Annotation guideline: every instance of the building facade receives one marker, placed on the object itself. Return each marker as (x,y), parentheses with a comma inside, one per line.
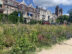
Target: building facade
(46,15)
(10,6)
(28,11)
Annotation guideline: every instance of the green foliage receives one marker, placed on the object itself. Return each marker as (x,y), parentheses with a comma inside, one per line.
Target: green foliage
(35,22)
(2,17)
(23,39)
(13,17)
(63,18)
(70,17)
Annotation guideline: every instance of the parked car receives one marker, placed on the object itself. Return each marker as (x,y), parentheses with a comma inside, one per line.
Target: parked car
(46,22)
(53,23)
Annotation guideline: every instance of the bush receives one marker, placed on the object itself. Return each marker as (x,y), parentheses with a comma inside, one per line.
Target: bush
(13,17)
(35,22)
(27,38)
(2,17)
(61,19)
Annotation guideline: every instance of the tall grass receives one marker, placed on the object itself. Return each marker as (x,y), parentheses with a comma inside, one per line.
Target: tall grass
(27,38)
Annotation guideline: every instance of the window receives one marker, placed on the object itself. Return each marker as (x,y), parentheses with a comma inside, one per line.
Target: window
(0,6)
(23,6)
(43,16)
(48,18)
(29,14)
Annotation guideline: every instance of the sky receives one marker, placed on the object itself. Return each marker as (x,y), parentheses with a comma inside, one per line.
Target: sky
(51,4)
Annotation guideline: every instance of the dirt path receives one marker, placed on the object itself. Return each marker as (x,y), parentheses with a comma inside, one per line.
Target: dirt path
(63,48)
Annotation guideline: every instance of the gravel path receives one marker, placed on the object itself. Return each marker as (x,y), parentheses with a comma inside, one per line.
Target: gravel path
(63,48)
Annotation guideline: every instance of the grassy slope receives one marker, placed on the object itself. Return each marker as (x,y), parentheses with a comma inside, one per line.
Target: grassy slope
(26,38)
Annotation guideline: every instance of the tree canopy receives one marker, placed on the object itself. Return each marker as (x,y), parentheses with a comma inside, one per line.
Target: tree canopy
(61,19)
(70,15)
(13,17)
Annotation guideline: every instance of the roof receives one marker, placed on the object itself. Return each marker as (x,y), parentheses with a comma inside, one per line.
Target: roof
(23,2)
(31,5)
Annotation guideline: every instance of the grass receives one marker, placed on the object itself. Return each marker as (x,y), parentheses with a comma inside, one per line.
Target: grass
(23,39)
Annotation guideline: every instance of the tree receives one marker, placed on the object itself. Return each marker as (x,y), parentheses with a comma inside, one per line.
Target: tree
(61,19)
(2,17)
(13,17)
(70,15)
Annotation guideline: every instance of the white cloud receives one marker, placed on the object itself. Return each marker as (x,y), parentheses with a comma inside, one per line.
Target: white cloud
(66,14)
(49,3)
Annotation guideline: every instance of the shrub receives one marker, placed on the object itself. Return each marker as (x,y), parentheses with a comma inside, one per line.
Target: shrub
(27,38)
(61,19)
(2,17)
(13,17)
(35,22)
